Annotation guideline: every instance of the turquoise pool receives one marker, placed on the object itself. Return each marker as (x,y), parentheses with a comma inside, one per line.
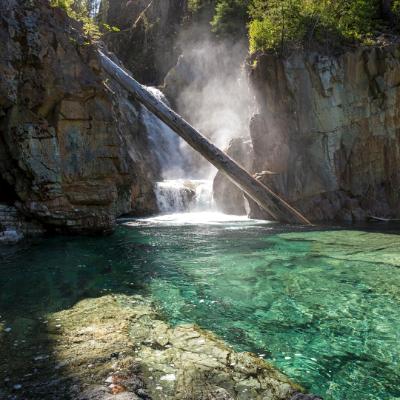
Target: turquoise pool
(323,306)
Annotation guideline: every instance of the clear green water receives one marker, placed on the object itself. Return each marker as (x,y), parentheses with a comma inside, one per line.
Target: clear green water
(322,306)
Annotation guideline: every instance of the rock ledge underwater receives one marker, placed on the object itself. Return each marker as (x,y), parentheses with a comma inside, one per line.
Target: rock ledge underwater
(118,347)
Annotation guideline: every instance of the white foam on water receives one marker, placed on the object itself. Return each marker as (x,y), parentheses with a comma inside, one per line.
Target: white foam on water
(179,195)
(197,218)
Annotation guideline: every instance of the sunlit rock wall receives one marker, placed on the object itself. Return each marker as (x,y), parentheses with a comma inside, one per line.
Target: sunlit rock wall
(327,132)
(71,145)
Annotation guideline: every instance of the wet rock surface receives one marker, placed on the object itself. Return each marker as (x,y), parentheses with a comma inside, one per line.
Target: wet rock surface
(227,196)
(328,129)
(118,347)
(14,226)
(71,144)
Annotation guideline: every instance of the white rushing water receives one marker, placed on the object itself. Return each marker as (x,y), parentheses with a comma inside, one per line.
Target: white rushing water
(179,195)
(165,143)
(180,199)
(199,218)
(190,202)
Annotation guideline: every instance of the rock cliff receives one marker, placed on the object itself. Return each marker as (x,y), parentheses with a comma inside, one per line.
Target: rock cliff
(327,131)
(72,150)
(146,40)
(329,127)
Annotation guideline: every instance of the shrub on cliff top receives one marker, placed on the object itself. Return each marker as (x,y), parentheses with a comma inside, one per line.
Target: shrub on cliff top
(195,5)
(83,11)
(279,23)
(396,10)
(230,17)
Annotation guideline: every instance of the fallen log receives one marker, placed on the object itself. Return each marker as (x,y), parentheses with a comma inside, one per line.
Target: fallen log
(273,204)
(382,219)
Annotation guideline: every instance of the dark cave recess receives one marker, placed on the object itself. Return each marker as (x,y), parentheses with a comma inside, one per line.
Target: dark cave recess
(7,193)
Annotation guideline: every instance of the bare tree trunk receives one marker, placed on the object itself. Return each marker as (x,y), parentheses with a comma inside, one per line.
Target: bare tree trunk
(275,206)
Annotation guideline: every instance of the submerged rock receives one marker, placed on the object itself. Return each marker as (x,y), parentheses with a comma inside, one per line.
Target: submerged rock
(118,347)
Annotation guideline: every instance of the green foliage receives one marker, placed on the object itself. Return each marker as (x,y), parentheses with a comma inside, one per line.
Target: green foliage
(396,9)
(230,16)
(356,19)
(91,28)
(279,23)
(275,23)
(65,4)
(83,11)
(194,6)
(109,28)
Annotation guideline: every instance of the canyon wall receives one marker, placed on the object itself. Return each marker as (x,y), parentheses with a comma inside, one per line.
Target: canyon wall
(326,135)
(329,129)
(148,29)
(72,150)
(326,131)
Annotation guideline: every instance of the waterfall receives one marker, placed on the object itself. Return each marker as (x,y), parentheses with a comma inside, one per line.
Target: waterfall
(180,198)
(165,143)
(180,195)
(177,193)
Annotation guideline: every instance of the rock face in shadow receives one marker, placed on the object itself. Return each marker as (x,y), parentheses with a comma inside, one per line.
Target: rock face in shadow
(227,196)
(148,29)
(117,347)
(71,146)
(327,133)
(14,226)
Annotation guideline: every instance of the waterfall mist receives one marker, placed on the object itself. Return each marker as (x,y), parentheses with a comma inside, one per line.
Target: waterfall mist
(210,89)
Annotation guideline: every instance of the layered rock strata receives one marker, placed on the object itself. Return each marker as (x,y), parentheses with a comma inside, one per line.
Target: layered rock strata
(14,226)
(327,132)
(72,148)
(329,128)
